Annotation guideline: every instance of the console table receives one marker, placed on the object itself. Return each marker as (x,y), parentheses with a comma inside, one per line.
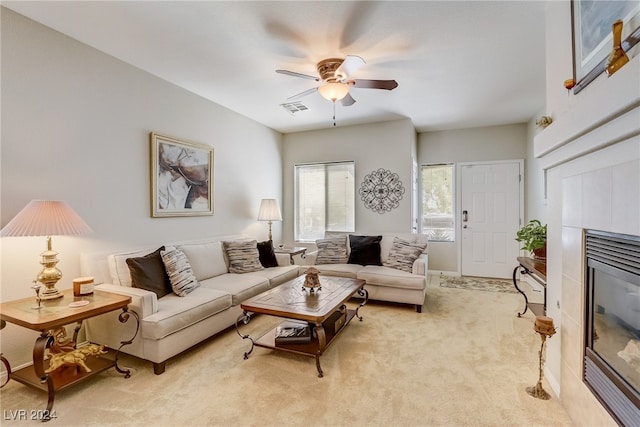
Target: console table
(49,318)
(537,270)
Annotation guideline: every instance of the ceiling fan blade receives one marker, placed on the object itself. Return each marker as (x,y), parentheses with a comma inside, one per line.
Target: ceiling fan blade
(374,84)
(294,74)
(350,65)
(348,100)
(305,93)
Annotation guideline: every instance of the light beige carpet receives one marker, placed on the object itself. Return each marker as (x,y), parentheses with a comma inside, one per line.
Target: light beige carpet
(465,361)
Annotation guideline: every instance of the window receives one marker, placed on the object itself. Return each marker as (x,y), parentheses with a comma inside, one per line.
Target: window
(324,199)
(437,202)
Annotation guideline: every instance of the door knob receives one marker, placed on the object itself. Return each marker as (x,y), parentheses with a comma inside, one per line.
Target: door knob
(465,216)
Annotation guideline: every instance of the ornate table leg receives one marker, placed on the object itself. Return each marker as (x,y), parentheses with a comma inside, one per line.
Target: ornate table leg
(363,293)
(44,341)
(123,318)
(515,283)
(4,361)
(245,317)
(322,344)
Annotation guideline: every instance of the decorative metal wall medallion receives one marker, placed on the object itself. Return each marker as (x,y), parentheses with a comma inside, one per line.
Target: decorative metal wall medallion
(381,191)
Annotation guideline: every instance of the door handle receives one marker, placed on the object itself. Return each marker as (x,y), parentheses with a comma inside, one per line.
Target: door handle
(465,216)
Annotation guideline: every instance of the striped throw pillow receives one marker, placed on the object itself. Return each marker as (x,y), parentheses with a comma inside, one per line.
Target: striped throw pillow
(332,250)
(243,256)
(179,271)
(403,254)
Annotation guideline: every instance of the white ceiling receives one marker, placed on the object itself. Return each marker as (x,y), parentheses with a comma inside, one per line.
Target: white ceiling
(458,64)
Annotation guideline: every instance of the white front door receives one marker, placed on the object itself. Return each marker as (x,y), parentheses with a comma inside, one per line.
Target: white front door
(490,217)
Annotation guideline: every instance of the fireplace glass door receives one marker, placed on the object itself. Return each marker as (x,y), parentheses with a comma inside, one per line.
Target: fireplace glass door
(612,353)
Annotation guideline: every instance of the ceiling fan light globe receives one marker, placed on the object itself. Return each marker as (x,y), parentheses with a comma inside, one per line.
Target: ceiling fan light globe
(334,91)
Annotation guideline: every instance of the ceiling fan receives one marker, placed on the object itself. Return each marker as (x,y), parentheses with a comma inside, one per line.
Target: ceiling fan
(334,74)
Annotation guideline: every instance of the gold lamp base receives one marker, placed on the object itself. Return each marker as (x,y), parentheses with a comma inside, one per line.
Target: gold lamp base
(49,275)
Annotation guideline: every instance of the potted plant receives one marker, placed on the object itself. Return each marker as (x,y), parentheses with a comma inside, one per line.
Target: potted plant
(534,238)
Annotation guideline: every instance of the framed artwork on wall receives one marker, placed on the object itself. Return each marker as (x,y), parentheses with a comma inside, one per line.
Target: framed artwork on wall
(181,177)
(592,21)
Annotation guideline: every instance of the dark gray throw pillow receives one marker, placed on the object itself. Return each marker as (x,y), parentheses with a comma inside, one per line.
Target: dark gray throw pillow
(365,250)
(266,254)
(148,272)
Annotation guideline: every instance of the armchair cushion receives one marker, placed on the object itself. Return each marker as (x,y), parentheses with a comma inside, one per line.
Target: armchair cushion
(365,250)
(148,272)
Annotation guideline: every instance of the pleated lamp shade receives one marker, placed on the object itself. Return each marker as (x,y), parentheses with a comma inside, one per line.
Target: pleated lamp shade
(269,210)
(46,218)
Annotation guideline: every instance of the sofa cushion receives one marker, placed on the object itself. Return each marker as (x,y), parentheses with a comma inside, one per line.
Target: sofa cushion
(176,313)
(332,250)
(342,270)
(365,250)
(239,286)
(181,276)
(148,272)
(391,277)
(266,254)
(403,254)
(278,275)
(206,259)
(243,256)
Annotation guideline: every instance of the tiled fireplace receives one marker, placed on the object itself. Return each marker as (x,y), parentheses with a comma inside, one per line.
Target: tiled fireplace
(591,157)
(612,322)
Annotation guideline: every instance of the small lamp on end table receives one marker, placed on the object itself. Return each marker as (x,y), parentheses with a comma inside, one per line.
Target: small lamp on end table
(47,218)
(269,211)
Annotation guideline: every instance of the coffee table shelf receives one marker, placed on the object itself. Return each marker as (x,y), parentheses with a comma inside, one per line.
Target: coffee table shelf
(268,340)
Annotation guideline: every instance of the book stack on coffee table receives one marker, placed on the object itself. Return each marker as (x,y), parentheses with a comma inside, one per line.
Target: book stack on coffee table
(293,332)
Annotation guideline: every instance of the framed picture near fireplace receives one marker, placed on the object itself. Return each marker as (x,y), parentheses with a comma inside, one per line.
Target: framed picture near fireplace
(592,23)
(181,177)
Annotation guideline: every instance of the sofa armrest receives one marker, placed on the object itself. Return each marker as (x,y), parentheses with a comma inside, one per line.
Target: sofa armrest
(421,265)
(143,302)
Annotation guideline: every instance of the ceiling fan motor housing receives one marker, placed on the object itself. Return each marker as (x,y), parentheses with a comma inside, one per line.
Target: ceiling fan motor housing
(327,68)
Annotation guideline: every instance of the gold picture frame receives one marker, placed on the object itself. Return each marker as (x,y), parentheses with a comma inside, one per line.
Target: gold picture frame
(181,177)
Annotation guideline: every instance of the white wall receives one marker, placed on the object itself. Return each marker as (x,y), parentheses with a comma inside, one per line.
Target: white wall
(386,145)
(75,126)
(507,142)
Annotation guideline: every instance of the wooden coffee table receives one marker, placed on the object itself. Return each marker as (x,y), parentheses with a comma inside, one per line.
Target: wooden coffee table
(292,300)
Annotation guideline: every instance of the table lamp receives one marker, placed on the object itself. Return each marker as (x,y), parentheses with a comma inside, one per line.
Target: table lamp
(47,218)
(269,211)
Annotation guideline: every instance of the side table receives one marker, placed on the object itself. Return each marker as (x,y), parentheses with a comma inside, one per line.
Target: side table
(293,251)
(50,319)
(537,270)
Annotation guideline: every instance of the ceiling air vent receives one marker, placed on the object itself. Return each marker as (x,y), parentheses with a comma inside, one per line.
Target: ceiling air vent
(294,107)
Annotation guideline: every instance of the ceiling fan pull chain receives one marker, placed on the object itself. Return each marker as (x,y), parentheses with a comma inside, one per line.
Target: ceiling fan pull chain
(334,113)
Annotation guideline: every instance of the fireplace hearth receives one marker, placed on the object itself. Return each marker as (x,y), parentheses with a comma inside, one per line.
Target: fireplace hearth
(612,344)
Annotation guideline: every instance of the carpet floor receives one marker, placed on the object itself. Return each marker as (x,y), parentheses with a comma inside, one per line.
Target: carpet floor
(465,361)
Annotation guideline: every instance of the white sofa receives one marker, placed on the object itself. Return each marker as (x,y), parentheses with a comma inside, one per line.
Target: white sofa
(172,324)
(383,283)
